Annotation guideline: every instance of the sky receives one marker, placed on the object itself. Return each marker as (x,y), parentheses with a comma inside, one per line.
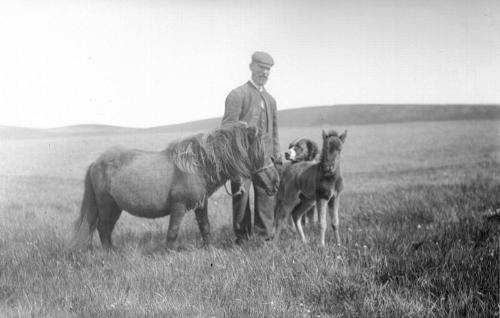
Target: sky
(152,63)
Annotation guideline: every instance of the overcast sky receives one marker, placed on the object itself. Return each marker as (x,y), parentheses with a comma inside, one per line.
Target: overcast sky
(150,63)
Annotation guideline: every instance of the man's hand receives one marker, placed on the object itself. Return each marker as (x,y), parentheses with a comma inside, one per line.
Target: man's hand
(240,191)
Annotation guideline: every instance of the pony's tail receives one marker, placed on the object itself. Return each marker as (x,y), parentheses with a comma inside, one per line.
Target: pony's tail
(86,223)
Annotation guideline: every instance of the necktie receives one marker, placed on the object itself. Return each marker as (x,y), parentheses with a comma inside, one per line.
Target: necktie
(261,90)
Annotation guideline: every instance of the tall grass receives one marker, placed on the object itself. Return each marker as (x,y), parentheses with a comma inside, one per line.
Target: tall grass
(416,240)
(413,252)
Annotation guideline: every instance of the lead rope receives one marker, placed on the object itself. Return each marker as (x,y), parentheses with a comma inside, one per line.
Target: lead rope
(230,194)
(241,191)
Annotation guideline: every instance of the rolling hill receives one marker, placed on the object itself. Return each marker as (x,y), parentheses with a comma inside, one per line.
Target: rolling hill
(337,115)
(358,115)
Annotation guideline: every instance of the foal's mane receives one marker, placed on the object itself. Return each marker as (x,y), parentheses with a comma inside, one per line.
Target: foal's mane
(232,151)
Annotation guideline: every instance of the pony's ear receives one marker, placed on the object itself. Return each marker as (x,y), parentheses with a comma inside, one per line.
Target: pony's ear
(323,133)
(343,136)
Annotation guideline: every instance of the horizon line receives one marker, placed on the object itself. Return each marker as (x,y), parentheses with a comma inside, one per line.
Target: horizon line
(279,110)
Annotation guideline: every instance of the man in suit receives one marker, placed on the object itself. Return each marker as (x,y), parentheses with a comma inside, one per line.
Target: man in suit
(252,104)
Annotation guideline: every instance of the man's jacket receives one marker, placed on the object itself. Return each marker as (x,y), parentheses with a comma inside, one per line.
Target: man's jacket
(244,103)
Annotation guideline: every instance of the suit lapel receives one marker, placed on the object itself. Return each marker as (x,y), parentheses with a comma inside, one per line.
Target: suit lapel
(267,105)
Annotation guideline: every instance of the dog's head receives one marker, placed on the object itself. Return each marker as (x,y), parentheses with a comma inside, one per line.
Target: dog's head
(301,149)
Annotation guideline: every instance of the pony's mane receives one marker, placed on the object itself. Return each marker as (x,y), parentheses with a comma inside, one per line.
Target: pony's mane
(232,151)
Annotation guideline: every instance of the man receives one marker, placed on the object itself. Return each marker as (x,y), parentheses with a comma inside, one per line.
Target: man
(252,104)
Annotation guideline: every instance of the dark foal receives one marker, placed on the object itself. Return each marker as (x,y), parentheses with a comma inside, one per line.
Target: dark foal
(306,184)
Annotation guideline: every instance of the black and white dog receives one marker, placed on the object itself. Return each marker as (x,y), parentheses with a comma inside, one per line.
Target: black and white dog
(302,149)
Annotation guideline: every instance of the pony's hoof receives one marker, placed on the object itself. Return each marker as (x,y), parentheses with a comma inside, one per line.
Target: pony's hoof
(171,247)
(240,241)
(206,245)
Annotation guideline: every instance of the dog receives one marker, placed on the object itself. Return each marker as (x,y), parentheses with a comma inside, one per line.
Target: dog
(306,184)
(302,149)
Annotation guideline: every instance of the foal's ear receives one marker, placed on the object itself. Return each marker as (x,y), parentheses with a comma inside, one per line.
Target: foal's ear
(343,136)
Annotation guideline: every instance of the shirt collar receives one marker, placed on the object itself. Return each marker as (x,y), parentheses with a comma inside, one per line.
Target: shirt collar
(259,88)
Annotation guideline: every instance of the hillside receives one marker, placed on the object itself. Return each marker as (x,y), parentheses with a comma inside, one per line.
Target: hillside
(9,132)
(95,129)
(382,114)
(340,115)
(359,115)
(19,132)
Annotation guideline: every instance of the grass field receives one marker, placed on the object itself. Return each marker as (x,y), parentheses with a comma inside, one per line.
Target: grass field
(417,242)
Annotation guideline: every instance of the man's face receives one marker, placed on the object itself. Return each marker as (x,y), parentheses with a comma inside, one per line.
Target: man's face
(260,73)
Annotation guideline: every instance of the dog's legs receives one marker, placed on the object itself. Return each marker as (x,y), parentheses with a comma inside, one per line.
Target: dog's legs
(281,216)
(297,214)
(321,206)
(333,209)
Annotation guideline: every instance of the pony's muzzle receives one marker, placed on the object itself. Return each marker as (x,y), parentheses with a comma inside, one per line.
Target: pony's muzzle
(275,188)
(273,191)
(329,170)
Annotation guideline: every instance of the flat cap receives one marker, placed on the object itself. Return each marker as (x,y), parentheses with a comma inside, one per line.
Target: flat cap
(262,58)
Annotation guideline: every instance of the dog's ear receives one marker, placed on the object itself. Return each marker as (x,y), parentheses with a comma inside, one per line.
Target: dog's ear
(343,136)
(292,143)
(312,149)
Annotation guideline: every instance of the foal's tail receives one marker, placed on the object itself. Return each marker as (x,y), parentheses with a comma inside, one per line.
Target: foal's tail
(86,223)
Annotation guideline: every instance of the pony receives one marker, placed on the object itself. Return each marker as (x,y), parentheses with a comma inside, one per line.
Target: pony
(306,184)
(170,182)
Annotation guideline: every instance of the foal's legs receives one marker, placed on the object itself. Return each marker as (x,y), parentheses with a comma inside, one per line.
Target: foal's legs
(108,212)
(309,216)
(298,212)
(321,206)
(176,214)
(333,209)
(203,223)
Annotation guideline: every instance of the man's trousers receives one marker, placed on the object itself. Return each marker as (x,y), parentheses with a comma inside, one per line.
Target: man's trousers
(263,215)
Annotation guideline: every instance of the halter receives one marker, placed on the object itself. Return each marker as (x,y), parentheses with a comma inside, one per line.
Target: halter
(269,165)
(256,171)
